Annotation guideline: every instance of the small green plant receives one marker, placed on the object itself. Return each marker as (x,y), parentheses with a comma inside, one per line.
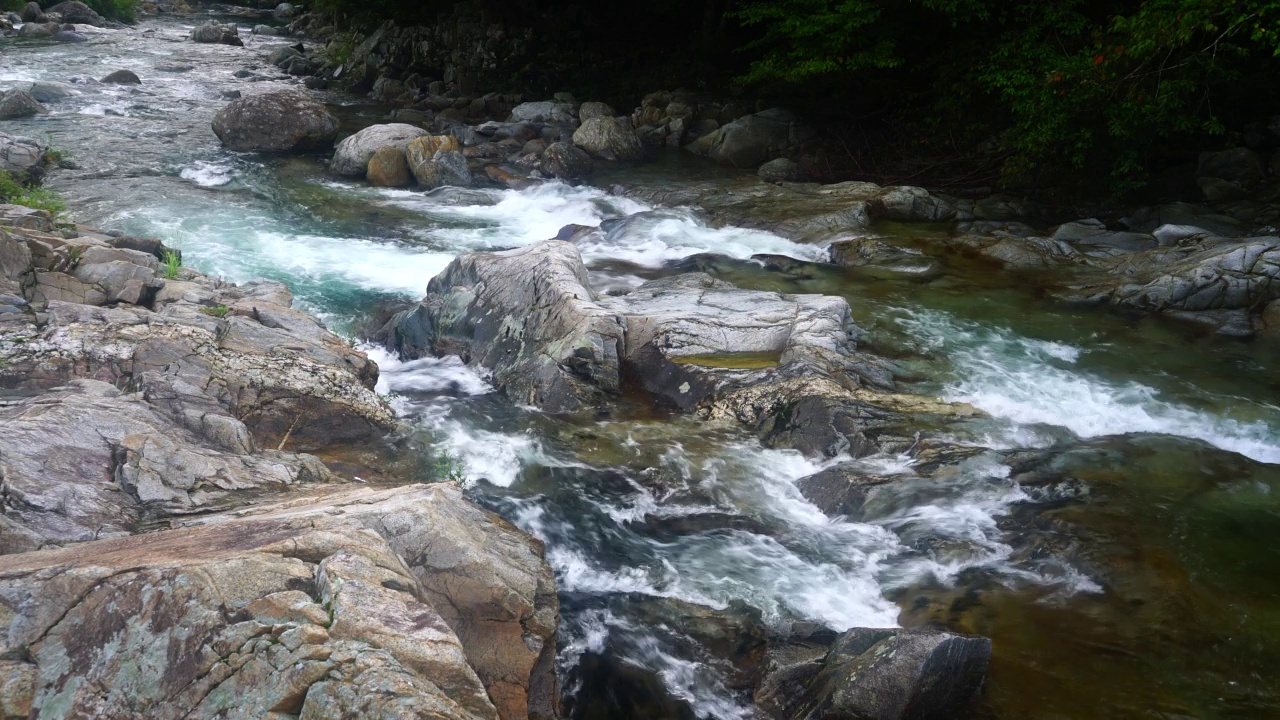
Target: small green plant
(172,263)
(219,311)
(14,192)
(448,468)
(53,154)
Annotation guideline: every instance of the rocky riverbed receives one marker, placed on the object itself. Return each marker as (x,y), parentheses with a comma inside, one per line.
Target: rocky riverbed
(471,405)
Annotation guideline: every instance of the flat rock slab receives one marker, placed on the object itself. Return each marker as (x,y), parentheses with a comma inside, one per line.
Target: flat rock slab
(301,607)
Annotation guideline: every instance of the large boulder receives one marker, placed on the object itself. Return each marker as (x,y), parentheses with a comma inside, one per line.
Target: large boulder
(530,317)
(437,161)
(351,603)
(588,110)
(19,104)
(876,674)
(31,13)
(909,204)
(749,141)
(565,161)
(36,30)
(546,112)
(388,168)
(1195,282)
(780,170)
(213,31)
(609,138)
(76,12)
(1094,232)
(351,158)
(275,122)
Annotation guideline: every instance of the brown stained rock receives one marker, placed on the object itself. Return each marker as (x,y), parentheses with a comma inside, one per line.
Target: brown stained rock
(388,168)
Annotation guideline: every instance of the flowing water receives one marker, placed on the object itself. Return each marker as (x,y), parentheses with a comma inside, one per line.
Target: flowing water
(1141,581)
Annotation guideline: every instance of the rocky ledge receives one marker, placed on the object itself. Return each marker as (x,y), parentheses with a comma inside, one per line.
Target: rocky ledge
(787,366)
(143,408)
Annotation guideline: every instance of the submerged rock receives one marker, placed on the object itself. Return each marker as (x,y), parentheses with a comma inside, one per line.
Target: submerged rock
(281,121)
(887,674)
(343,604)
(122,77)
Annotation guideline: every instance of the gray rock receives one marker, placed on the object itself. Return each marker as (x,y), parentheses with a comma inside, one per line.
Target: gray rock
(873,252)
(275,122)
(909,204)
(31,13)
(122,77)
(565,161)
(1149,218)
(69,36)
(445,168)
(1240,165)
(546,112)
(872,674)
(213,31)
(589,110)
(265,31)
(351,158)
(19,104)
(1214,276)
(780,170)
(609,138)
(344,603)
(35,30)
(47,92)
(284,11)
(530,317)
(20,154)
(1094,232)
(749,141)
(386,89)
(76,12)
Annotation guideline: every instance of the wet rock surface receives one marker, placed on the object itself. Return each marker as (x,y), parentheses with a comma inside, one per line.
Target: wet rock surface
(305,607)
(136,399)
(275,122)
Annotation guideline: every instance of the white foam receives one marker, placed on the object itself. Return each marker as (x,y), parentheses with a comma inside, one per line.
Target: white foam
(430,375)
(1030,381)
(207,174)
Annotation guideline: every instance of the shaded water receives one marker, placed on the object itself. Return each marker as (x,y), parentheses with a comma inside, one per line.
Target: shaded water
(1134,574)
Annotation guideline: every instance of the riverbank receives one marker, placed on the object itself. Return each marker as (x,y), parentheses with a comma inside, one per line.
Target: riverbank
(684,548)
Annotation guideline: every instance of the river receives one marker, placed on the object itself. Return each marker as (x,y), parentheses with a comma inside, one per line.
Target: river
(1146,585)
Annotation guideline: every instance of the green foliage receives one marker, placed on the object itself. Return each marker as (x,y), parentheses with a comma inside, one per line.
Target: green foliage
(1067,84)
(14,192)
(447,468)
(122,10)
(218,311)
(172,262)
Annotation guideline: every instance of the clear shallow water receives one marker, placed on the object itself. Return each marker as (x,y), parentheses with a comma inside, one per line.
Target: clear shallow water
(1148,579)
